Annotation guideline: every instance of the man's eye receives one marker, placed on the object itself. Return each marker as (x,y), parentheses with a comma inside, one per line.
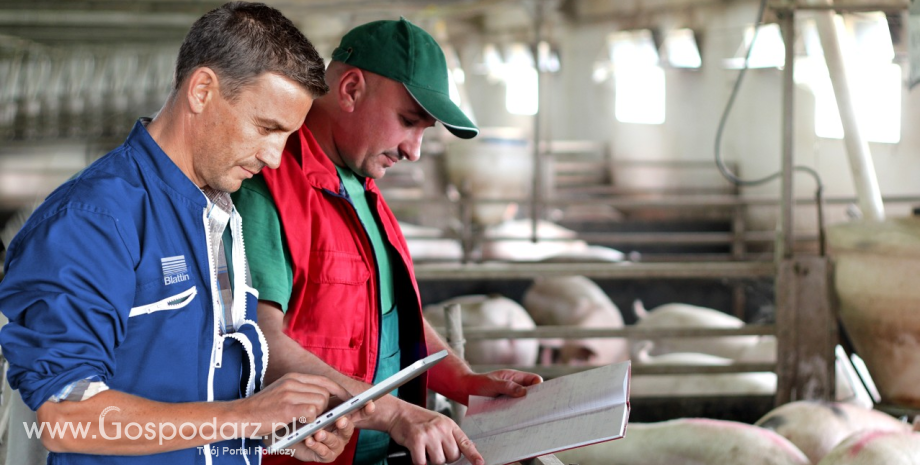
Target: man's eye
(407,122)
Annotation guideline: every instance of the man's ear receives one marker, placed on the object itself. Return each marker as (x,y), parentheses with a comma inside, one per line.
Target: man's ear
(202,88)
(352,87)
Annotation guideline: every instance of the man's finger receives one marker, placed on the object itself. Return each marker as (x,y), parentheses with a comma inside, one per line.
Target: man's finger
(435,453)
(322,451)
(467,448)
(521,377)
(513,389)
(418,453)
(362,414)
(344,428)
(451,450)
(313,382)
(528,379)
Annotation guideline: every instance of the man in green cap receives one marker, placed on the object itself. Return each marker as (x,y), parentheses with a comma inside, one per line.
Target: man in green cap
(338,295)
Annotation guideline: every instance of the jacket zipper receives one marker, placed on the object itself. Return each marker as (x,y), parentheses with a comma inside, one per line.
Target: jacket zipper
(217,349)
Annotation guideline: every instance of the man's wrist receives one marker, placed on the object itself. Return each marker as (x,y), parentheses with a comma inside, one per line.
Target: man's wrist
(387,413)
(231,412)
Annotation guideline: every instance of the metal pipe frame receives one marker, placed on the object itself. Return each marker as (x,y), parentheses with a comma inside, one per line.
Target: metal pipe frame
(700,201)
(785,241)
(555,371)
(578,332)
(626,270)
(855,7)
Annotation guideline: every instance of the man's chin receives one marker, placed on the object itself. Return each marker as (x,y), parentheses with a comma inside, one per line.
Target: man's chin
(377,174)
(228,185)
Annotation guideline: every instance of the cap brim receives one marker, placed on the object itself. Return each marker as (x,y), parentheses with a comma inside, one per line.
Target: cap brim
(443,109)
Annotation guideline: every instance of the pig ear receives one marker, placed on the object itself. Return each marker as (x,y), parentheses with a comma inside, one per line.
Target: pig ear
(639,309)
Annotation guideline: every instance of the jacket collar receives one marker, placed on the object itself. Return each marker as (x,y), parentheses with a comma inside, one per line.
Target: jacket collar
(150,154)
(317,167)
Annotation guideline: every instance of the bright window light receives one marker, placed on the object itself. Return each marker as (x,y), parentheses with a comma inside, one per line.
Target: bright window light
(640,83)
(454,77)
(640,95)
(633,48)
(769,49)
(875,82)
(871,37)
(877,95)
(492,62)
(455,74)
(521,81)
(681,49)
(601,71)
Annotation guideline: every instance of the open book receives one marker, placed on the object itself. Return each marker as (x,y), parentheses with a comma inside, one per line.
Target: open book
(562,413)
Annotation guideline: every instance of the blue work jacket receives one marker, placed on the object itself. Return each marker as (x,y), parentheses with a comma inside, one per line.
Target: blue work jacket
(112,277)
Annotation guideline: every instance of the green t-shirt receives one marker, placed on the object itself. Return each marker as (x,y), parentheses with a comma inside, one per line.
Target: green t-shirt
(354,186)
(266,246)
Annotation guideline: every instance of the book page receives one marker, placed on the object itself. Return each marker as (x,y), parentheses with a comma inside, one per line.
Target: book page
(553,400)
(562,413)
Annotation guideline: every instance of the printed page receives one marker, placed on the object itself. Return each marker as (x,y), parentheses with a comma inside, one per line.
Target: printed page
(553,400)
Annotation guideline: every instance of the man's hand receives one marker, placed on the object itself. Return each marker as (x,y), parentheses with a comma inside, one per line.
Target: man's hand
(425,432)
(325,446)
(294,396)
(500,382)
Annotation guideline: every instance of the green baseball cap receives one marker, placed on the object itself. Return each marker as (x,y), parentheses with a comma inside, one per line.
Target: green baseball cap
(405,53)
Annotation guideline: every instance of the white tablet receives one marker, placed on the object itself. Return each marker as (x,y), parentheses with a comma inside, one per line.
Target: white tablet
(276,442)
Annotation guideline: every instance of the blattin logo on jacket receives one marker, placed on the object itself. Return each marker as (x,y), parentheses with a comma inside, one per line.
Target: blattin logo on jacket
(174,269)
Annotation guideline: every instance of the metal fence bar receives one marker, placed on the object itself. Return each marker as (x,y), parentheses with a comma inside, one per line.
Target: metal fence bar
(506,271)
(576,332)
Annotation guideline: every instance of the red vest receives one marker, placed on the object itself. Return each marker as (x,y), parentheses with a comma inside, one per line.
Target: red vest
(333,311)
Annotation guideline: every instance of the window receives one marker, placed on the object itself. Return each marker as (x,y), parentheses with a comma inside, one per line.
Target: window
(640,83)
(521,81)
(875,82)
(681,49)
(769,49)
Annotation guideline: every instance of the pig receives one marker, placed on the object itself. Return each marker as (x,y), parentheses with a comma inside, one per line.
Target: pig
(817,427)
(563,243)
(591,253)
(676,315)
(491,311)
(876,447)
(696,384)
(763,350)
(577,301)
(690,441)
(429,244)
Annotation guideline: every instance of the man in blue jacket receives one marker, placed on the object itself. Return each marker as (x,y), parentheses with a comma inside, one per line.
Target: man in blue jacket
(132,318)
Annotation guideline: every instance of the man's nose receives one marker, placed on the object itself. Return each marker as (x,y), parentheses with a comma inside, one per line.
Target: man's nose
(271,153)
(411,148)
